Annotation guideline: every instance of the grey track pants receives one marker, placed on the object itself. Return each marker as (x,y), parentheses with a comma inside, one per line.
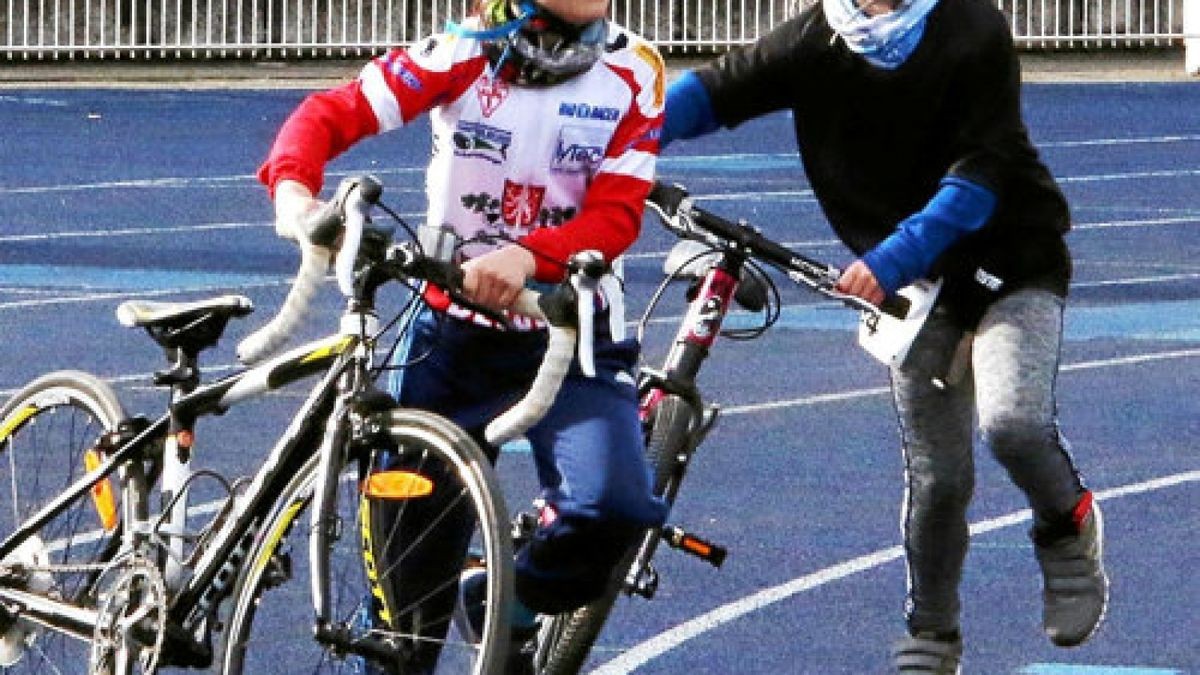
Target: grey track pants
(1009,385)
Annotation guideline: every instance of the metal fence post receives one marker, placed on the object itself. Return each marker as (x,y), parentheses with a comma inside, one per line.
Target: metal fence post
(1191,36)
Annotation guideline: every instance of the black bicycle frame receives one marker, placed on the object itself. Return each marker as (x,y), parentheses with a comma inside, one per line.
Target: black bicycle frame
(207,585)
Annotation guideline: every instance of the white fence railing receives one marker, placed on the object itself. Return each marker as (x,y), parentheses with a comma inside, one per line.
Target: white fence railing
(175,29)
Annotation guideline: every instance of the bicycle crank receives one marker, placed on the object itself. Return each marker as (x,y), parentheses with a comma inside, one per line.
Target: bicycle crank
(132,620)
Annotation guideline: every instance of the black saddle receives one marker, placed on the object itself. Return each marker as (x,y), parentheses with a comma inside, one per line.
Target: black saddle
(187,326)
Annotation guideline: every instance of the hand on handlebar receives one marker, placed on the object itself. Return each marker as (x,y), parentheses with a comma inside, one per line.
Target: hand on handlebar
(494,279)
(858,280)
(293,204)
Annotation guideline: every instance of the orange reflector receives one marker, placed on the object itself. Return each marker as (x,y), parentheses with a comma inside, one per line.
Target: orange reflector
(103,497)
(696,546)
(397,485)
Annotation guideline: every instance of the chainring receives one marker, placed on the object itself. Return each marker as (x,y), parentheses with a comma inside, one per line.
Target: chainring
(131,619)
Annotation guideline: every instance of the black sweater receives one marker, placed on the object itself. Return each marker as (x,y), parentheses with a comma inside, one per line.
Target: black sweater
(875,143)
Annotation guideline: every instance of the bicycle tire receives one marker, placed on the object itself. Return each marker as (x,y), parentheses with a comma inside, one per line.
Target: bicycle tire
(45,430)
(566,640)
(258,600)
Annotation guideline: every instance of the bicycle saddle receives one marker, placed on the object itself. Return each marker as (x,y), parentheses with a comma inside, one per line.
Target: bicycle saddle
(191,326)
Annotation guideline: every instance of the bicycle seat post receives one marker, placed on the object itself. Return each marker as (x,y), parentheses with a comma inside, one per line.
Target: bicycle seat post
(183,378)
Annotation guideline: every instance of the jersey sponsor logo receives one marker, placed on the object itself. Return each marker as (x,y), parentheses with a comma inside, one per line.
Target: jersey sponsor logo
(521,204)
(492,210)
(584,111)
(408,77)
(579,150)
(492,92)
(473,139)
(400,70)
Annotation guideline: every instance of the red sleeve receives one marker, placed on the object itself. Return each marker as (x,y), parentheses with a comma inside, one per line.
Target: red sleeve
(610,217)
(608,221)
(321,128)
(389,92)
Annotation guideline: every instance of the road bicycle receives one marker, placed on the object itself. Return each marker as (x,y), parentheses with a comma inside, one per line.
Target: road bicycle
(721,260)
(94,570)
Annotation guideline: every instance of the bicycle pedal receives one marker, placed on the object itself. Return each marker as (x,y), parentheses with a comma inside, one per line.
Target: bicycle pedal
(645,584)
(681,540)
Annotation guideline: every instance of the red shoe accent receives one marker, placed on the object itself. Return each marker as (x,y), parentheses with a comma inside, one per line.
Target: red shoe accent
(1082,509)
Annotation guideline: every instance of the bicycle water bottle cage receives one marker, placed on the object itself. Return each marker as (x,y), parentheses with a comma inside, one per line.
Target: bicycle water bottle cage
(189,327)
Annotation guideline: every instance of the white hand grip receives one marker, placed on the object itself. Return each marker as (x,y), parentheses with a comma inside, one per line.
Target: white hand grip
(559,352)
(314,261)
(533,406)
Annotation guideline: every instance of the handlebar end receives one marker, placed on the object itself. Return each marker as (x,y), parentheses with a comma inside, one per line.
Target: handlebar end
(896,305)
(667,197)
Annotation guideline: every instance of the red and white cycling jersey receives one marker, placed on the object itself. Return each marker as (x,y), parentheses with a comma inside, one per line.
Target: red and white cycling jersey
(563,168)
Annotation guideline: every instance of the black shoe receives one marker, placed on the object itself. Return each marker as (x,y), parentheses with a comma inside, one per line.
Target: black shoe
(521,648)
(933,653)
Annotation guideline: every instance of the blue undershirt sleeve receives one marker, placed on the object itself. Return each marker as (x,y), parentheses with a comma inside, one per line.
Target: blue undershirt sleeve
(689,111)
(958,208)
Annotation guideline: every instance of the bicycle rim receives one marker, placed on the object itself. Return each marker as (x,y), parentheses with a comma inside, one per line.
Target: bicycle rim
(45,431)
(566,639)
(270,628)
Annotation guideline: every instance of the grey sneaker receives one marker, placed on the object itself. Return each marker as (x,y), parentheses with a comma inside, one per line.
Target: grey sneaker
(928,653)
(1075,588)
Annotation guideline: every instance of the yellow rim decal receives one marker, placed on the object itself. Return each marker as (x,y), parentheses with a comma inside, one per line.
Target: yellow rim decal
(368,555)
(16,420)
(276,535)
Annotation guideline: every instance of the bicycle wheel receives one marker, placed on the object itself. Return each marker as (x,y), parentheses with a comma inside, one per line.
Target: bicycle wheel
(269,629)
(566,639)
(46,429)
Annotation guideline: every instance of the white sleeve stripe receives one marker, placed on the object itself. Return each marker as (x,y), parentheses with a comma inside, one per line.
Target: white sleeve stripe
(635,163)
(381,98)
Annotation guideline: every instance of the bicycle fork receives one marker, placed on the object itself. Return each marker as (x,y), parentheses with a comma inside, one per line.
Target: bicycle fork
(711,298)
(642,577)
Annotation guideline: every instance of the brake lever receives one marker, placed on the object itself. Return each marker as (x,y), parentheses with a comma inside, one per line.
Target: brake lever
(586,269)
(352,231)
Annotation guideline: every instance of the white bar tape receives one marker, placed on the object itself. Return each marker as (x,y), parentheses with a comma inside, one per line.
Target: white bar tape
(559,353)
(314,262)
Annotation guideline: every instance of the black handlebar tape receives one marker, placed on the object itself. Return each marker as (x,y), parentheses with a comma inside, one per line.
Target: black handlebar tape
(667,196)
(324,226)
(559,306)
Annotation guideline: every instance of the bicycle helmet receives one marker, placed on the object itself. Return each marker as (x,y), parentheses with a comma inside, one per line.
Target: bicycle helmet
(529,45)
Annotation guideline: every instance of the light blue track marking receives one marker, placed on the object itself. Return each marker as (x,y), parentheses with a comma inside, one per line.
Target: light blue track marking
(1063,669)
(1165,321)
(1174,320)
(109,279)
(732,162)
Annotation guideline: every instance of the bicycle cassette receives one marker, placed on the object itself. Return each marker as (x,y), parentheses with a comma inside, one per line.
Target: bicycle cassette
(28,562)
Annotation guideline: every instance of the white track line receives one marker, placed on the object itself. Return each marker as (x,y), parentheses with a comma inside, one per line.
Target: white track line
(646,651)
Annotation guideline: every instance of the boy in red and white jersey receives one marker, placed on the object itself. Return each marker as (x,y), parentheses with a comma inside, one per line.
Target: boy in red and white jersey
(546,120)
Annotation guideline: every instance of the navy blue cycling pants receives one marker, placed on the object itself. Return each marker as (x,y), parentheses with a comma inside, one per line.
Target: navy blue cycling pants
(588,449)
